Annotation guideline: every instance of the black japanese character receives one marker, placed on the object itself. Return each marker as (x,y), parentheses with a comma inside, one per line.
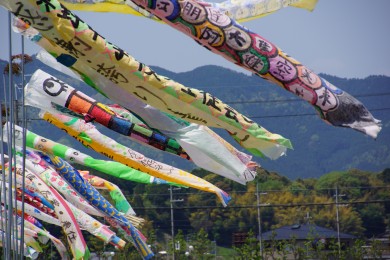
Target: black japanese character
(66,224)
(210,100)
(192,10)
(47,4)
(188,91)
(237,37)
(231,113)
(72,236)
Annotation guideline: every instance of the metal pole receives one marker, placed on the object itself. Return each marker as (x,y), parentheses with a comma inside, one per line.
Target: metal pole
(337,221)
(259,219)
(9,146)
(172,224)
(23,123)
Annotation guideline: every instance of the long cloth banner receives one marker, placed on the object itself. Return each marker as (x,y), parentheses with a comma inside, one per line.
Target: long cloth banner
(44,89)
(207,149)
(36,169)
(131,77)
(222,35)
(90,137)
(112,168)
(240,10)
(96,199)
(212,27)
(67,219)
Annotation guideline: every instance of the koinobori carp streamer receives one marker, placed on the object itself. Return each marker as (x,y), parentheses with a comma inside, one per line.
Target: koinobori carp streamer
(217,29)
(131,77)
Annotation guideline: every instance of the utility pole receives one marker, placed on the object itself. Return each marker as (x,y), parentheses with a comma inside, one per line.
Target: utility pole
(172,220)
(337,195)
(259,217)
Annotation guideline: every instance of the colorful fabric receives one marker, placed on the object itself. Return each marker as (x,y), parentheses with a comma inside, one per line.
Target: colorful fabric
(28,252)
(90,137)
(131,77)
(35,203)
(217,29)
(207,149)
(246,10)
(85,221)
(67,219)
(64,95)
(57,243)
(39,198)
(121,203)
(96,199)
(29,235)
(34,212)
(112,168)
(96,228)
(223,35)
(240,10)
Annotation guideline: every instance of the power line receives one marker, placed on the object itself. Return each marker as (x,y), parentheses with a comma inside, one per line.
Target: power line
(286,205)
(270,116)
(307,114)
(298,99)
(246,192)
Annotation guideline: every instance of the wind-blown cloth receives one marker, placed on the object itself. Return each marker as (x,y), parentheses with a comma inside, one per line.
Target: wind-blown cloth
(215,26)
(30,236)
(34,202)
(90,137)
(240,10)
(57,243)
(112,168)
(207,149)
(31,210)
(36,167)
(96,199)
(85,221)
(121,203)
(46,86)
(219,33)
(43,235)
(63,212)
(44,89)
(28,252)
(131,77)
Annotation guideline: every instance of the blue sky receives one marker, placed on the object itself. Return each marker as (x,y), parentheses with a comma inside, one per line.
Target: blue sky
(345,38)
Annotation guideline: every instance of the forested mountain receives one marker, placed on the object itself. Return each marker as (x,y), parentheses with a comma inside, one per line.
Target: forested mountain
(318,147)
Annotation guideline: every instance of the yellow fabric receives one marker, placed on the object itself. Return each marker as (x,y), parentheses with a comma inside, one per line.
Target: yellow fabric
(131,77)
(250,9)
(117,152)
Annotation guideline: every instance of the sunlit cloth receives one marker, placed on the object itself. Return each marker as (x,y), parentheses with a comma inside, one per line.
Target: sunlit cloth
(208,150)
(131,77)
(121,203)
(88,135)
(33,202)
(112,168)
(57,243)
(210,27)
(43,86)
(29,235)
(240,10)
(32,211)
(63,212)
(28,252)
(34,169)
(96,199)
